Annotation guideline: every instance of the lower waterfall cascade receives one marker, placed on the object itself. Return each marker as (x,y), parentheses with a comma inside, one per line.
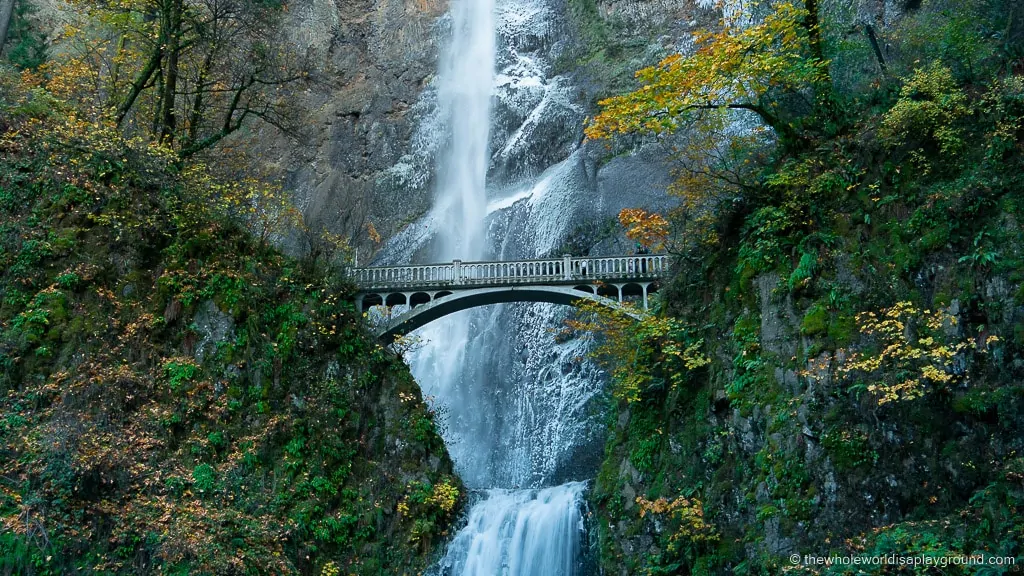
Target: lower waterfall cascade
(520,533)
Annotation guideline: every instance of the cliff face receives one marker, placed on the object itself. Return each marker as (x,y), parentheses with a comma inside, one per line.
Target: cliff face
(365,155)
(784,455)
(371,61)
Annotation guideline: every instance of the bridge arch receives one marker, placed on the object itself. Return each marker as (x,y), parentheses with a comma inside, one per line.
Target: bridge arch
(419,298)
(395,299)
(423,314)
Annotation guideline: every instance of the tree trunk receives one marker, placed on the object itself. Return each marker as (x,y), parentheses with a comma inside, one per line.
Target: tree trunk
(870,31)
(824,95)
(813,26)
(6,15)
(197,105)
(168,121)
(139,84)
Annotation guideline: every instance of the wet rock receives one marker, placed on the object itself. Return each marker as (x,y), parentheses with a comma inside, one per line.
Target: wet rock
(776,332)
(628,496)
(213,327)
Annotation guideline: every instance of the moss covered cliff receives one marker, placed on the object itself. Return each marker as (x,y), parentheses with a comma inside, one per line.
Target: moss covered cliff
(855,288)
(175,395)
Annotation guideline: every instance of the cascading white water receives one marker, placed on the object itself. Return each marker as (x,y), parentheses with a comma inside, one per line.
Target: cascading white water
(520,533)
(464,96)
(517,532)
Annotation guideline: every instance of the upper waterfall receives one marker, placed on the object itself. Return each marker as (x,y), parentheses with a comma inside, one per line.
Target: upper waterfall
(466,85)
(517,408)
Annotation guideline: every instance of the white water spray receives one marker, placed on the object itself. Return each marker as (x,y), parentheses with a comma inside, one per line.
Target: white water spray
(465,87)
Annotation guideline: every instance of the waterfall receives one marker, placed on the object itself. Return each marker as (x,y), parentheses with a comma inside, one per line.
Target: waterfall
(511,530)
(465,89)
(520,533)
(464,97)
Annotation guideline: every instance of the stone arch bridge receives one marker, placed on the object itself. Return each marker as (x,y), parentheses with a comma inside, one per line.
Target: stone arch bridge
(432,291)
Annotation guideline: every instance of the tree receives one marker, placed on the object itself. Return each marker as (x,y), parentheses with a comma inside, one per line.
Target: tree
(772,67)
(188,73)
(652,353)
(6,14)
(913,353)
(26,44)
(649,229)
(752,68)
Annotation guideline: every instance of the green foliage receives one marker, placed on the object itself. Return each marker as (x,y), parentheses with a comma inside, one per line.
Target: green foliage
(752,382)
(984,255)
(849,449)
(767,244)
(648,440)
(26,48)
(204,478)
(429,508)
(815,321)
(927,116)
(957,33)
(138,445)
(180,372)
(585,12)
(984,529)
(804,271)
(648,355)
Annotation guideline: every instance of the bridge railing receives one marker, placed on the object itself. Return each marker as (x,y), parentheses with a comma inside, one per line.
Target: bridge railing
(551,270)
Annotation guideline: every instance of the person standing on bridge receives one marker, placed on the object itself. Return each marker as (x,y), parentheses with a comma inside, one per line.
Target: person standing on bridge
(642,250)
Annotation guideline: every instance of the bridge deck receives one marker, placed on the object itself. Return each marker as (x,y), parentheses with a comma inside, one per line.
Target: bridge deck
(552,271)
